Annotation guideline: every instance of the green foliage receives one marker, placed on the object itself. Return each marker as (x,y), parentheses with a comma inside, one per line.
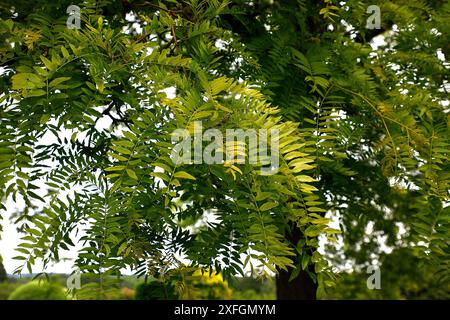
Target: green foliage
(6,288)
(36,290)
(364,134)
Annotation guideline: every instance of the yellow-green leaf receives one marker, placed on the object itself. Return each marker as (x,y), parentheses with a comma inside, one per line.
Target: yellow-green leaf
(183,175)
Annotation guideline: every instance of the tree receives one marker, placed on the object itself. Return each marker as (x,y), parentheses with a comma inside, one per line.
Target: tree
(3,274)
(39,291)
(362,134)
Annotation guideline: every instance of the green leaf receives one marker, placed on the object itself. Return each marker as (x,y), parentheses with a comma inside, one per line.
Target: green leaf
(23,175)
(65,53)
(57,81)
(35,93)
(122,248)
(162,165)
(49,65)
(294,274)
(115,168)
(44,118)
(303,178)
(160,175)
(118,157)
(305,261)
(124,143)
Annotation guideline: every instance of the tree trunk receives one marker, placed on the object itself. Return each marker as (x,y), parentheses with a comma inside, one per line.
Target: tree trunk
(302,287)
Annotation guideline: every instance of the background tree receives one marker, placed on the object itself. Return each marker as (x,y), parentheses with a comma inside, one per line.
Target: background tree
(36,290)
(404,276)
(363,134)
(3,274)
